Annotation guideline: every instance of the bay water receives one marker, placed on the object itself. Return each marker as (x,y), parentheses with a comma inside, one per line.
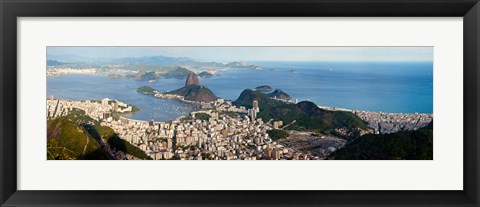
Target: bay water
(394,87)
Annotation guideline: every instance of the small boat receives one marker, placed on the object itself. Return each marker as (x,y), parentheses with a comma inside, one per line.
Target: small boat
(152,81)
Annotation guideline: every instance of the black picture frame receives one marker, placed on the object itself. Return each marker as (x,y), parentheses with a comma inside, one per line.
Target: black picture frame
(10,10)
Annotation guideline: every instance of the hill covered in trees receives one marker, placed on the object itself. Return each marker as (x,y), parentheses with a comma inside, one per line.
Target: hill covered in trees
(263,88)
(77,136)
(179,72)
(265,102)
(407,145)
(115,142)
(307,115)
(146,90)
(68,141)
(205,74)
(279,94)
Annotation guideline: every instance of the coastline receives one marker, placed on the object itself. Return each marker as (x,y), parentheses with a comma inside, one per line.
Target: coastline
(160,95)
(203,104)
(379,121)
(330,108)
(139,121)
(59,71)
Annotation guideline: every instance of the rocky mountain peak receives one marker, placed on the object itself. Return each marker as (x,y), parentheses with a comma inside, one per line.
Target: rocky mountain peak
(192,79)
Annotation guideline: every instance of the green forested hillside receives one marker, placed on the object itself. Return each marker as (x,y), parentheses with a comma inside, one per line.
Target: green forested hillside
(307,115)
(279,94)
(67,140)
(177,73)
(146,90)
(107,133)
(408,145)
(77,136)
(277,134)
(247,96)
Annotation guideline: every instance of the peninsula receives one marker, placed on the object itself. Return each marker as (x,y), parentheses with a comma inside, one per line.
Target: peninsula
(193,91)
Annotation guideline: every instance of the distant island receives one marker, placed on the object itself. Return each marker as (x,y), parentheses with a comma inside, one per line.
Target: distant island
(111,75)
(279,94)
(146,90)
(263,88)
(205,74)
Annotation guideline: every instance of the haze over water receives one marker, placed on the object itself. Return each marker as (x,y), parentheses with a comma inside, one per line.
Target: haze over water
(396,87)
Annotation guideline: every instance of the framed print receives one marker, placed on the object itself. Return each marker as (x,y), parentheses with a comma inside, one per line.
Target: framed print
(284,103)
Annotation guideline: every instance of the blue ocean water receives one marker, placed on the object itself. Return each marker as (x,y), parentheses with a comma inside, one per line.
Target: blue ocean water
(396,87)
(95,87)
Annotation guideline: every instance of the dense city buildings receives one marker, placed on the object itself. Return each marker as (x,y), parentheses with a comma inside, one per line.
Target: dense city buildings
(220,131)
(96,109)
(385,123)
(220,137)
(62,71)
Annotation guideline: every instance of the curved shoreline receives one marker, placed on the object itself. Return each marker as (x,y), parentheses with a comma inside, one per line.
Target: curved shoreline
(364,111)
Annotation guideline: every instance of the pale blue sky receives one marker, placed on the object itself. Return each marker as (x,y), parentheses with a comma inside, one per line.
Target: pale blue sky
(226,54)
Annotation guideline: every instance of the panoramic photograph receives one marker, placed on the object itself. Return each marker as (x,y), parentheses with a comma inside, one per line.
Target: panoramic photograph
(239,103)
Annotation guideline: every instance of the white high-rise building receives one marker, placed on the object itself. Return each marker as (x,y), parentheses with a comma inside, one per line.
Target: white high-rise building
(105,101)
(255,106)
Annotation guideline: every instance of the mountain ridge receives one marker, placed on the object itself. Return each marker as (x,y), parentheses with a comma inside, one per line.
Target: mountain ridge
(307,115)
(143,62)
